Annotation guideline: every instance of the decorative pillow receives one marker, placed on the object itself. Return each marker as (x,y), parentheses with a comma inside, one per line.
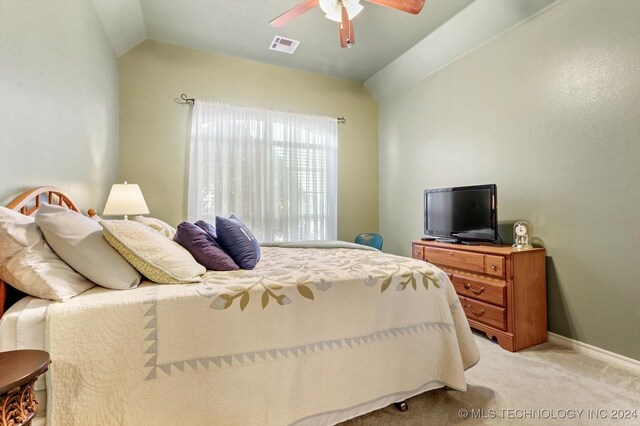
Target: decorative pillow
(207,227)
(78,241)
(238,241)
(204,248)
(39,272)
(158,258)
(157,225)
(17,231)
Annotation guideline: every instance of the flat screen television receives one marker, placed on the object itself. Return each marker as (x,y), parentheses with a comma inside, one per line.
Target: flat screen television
(463,213)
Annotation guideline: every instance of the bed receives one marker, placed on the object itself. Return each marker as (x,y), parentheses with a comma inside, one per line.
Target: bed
(317,333)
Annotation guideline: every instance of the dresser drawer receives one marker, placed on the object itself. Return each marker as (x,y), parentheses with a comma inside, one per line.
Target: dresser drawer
(456,259)
(494,265)
(417,252)
(485,313)
(485,291)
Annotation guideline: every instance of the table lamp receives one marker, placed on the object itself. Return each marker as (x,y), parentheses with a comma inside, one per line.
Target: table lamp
(125,199)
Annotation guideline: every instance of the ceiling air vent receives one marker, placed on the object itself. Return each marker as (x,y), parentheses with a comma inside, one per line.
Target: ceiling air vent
(282,44)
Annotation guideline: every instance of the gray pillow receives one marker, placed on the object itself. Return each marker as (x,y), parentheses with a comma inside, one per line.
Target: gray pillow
(79,242)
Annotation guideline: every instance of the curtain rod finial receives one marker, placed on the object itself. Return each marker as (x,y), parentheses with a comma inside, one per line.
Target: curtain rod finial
(187,100)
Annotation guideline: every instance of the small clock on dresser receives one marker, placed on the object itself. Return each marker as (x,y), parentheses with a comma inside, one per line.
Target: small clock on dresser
(521,235)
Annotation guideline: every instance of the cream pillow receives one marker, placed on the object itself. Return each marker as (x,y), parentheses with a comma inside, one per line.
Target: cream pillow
(39,272)
(78,241)
(158,258)
(17,231)
(157,225)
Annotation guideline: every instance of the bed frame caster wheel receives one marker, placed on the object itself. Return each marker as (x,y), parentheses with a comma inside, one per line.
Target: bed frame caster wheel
(402,406)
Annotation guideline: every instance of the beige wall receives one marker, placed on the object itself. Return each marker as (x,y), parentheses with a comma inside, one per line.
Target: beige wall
(154,129)
(58,100)
(550,112)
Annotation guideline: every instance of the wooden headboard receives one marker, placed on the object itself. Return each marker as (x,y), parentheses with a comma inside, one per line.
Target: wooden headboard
(28,203)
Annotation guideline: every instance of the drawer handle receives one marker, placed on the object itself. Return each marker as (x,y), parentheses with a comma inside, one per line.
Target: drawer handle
(478,314)
(494,267)
(450,253)
(473,290)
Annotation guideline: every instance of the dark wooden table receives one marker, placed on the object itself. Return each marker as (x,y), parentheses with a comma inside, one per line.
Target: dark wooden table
(19,371)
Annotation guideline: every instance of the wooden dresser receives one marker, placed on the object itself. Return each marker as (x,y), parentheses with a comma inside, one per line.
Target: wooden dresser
(503,291)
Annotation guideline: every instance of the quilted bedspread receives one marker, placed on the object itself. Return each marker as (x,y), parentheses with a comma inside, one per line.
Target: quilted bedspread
(311,336)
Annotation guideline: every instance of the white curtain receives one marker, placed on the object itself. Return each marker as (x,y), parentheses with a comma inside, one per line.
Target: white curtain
(275,171)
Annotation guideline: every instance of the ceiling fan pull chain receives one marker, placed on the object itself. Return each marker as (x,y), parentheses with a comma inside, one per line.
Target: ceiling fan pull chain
(345,29)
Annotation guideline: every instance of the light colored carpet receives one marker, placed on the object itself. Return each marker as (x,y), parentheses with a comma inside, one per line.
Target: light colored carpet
(546,384)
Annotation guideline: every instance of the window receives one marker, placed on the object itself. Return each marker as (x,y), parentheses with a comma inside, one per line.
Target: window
(276,171)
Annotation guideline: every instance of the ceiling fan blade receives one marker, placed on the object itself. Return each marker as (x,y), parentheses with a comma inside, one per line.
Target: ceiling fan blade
(410,6)
(292,14)
(345,30)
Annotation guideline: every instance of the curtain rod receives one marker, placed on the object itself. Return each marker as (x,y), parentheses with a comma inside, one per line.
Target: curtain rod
(341,120)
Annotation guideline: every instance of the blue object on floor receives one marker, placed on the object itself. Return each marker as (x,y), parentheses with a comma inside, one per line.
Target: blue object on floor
(370,239)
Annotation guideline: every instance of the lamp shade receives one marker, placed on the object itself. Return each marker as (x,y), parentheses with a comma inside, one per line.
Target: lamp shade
(125,199)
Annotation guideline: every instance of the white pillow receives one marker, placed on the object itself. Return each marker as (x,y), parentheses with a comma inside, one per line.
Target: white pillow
(29,265)
(159,259)
(78,241)
(157,225)
(17,231)
(39,272)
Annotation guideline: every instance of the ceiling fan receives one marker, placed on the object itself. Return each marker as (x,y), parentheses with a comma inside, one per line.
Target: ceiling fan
(343,11)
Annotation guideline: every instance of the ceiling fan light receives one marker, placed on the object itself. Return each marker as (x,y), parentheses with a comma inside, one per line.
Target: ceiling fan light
(334,15)
(353,7)
(332,10)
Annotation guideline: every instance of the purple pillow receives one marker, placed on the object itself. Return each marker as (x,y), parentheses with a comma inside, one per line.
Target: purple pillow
(204,249)
(237,240)
(207,227)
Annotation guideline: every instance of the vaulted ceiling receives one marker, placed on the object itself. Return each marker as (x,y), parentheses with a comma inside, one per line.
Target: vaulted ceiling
(241,28)
(393,49)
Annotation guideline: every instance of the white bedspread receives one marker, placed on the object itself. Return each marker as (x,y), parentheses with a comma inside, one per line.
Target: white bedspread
(22,326)
(310,336)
